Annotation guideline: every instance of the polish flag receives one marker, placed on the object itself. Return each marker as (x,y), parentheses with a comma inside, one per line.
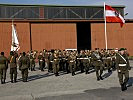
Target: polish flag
(113,16)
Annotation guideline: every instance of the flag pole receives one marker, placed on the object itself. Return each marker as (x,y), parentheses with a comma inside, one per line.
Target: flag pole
(105,28)
(12,33)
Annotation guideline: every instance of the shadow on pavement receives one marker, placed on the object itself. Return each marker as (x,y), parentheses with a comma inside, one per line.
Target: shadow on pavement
(106,75)
(130,82)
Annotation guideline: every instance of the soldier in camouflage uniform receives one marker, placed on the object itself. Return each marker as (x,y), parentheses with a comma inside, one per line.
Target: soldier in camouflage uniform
(13,66)
(32,62)
(56,64)
(41,60)
(97,62)
(123,68)
(24,64)
(72,63)
(108,61)
(3,67)
(51,58)
(86,62)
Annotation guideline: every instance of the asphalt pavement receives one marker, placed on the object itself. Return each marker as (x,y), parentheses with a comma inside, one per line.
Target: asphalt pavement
(45,86)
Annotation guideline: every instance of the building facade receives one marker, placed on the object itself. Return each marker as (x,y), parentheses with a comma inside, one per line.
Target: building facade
(62,27)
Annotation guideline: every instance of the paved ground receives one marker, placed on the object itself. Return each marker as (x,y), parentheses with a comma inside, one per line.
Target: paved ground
(45,86)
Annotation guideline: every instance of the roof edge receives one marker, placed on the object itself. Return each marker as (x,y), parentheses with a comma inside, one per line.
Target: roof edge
(4,4)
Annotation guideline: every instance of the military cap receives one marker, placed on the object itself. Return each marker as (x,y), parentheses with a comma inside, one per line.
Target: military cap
(2,53)
(121,49)
(24,53)
(11,52)
(96,48)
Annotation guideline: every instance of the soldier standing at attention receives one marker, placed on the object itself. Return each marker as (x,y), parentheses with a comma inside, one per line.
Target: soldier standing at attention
(56,64)
(3,67)
(13,66)
(97,62)
(24,64)
(72,63)
(123,67)
(108,61)
(41,61)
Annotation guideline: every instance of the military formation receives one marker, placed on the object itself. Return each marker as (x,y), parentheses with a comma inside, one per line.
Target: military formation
(68,61)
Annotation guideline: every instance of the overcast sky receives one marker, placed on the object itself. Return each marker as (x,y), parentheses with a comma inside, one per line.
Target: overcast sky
(127,3)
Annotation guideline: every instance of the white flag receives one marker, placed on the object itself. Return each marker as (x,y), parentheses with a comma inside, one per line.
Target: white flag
(15,43)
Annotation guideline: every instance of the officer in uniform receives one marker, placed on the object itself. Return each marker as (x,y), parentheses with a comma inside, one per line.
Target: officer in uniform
(32,62)
(3,67)
(86,62)
(51,58)
(41,61)
(72,63)
(123,68)
(24,64)
(56,63)
(13,66)
(97,62)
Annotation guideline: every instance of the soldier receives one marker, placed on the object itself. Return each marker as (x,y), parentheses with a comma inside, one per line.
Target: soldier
(56,64)
(13,66)
(72,63)
(123,68)
(32,65)
(97,62)
(41,61)
(82,55)
(51,58)
(24,64)
(3,67)
(86,62)
(108,60)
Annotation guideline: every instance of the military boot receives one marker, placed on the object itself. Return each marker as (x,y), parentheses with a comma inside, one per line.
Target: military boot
(101,78)
(98,78)
(125,87)
(1,81)
(122,87)
(11,80)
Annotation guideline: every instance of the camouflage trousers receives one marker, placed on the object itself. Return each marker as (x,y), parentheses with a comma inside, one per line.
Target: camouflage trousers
(121,76)
(3,74)
(13,73)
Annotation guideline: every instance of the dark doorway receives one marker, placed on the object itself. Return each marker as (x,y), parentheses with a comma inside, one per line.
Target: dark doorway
(83,35)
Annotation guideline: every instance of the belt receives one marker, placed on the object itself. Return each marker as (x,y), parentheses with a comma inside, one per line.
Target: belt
(122,64)
(71,61)
(51,61)
(108,57)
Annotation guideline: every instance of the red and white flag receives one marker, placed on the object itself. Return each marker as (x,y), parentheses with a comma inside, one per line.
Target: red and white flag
(113,16)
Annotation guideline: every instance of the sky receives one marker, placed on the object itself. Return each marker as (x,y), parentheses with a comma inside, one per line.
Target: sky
(127,3)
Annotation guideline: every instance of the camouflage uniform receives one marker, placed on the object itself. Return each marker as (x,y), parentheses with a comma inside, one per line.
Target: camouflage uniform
(24,64)
(72,64)
(97,62)
(123,68)
(13,66)
(56,64)
(3,68)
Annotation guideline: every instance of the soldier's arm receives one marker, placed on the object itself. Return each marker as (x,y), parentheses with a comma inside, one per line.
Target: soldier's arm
(20,64)
(128,64)
(117,61)
(28,62)
(6,63)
